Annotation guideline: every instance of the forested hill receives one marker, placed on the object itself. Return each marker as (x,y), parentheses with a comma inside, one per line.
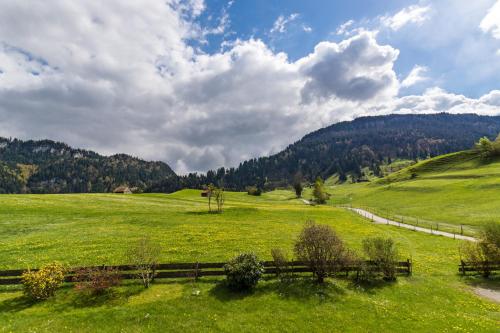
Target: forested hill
(348,148)
(53,167)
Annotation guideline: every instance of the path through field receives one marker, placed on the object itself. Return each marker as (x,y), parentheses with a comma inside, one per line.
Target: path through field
(382,220)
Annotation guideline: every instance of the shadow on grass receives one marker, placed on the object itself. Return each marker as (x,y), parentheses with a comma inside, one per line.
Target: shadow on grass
(16,304)
(226,211)
(113,296)
(298,289)
(370,287)
(493,282)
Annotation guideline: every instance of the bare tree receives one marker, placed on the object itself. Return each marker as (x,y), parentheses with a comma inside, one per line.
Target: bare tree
(144,257)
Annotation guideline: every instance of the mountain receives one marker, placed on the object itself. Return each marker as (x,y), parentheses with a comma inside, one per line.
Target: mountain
(350,148)
(53,167)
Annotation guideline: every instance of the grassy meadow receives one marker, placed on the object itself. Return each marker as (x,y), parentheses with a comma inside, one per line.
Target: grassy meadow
(452,190)
(84,229)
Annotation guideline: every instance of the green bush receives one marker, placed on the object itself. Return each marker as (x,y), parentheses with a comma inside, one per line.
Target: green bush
(254,190)
(485,250)
(243,272)
(43,283)
(383,254)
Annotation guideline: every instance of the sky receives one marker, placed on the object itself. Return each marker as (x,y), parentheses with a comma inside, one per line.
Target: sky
(204,84)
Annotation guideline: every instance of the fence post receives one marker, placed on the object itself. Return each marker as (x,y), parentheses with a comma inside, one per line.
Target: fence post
(409,266)
(461,229)
(437,226)
(463,267)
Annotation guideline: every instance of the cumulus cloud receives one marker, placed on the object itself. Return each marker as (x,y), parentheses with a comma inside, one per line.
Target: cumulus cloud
(491,22)
(356,69)
(416,75)
(121,76)
(412,14)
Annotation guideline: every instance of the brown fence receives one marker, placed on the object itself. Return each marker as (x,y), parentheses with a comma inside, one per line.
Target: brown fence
(476,268)
(197,270)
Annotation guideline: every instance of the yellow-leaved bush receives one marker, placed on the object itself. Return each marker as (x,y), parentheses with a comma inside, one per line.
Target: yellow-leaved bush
(43,283)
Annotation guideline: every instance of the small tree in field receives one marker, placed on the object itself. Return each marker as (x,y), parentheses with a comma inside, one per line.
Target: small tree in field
(297,184)
(319,194)
(217,193)
(321,248)
(144,257)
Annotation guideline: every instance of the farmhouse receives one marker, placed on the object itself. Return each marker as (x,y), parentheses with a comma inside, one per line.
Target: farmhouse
(205,193)
(122,190)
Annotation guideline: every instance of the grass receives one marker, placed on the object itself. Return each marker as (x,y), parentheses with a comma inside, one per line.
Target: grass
(96,229)
(452,190)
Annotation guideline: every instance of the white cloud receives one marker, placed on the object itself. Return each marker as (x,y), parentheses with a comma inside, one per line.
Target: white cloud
(281,22)
(343,29)
(306,28)
(120,76)
(415,76)
(356,69)
(491,22)
(412,14)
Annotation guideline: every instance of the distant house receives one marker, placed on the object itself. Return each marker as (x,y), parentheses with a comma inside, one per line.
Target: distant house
(122,190)
(205,193)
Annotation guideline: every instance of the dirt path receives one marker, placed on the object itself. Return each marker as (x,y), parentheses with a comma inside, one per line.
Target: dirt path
(491,294)
(382,220)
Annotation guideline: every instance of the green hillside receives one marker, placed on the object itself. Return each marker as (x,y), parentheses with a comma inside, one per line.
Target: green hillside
(80,229)
(456,189)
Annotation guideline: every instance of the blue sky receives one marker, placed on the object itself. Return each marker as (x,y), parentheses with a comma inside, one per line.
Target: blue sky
(441,57)
(201,84)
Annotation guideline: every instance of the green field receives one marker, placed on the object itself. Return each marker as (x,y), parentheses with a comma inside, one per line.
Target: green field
(97,228)
(455,189)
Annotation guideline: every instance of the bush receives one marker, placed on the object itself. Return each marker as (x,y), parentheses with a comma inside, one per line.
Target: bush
(319,194)
(254,190)
(383,255)
(43,283)
(96,280)
(243,272)
(486,249)
(487,148)
(144,257)
(322,249)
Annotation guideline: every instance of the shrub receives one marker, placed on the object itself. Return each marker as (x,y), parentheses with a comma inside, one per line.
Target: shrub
(144,257)
(96,280)
(281,264)
(485,250)
(488,148)
(383,255)
(243,272)
(43,283)
(322,249)
(319,193)
(254,190)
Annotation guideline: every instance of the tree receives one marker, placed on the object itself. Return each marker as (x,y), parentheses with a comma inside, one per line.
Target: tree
(218,195)
(319,193)
(321,248)
(488,148)
(297,184)
(144,256)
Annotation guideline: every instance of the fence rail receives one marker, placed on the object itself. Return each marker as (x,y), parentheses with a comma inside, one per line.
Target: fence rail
(197,270)
(478,267)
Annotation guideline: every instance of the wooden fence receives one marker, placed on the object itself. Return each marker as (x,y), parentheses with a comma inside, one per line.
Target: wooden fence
(197,270)
(476,268)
